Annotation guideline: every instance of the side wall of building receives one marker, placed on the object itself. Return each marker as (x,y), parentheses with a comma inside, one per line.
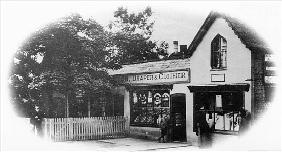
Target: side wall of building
(259,104)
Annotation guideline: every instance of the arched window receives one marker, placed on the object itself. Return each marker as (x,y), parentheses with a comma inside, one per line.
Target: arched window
(218,52)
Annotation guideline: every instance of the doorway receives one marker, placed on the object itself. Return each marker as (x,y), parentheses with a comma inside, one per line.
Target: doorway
(178,117)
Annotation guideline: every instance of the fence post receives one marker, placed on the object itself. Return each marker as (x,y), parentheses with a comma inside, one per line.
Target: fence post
(44,128)
(126,126)
(52,129)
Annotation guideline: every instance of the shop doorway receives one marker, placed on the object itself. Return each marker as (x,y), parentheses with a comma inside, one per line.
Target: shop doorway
(178,117)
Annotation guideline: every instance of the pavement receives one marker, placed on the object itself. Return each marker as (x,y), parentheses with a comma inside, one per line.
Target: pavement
(124,144)
(21,138)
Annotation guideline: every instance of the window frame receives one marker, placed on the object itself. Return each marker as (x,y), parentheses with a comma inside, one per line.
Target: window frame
(213,111)
(218,53)
(145,109)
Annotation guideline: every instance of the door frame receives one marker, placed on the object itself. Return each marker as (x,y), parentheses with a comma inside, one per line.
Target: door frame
(172,96)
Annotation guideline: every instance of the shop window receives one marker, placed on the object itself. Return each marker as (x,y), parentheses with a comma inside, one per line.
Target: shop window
(218,52)
(222,109)
(149,105)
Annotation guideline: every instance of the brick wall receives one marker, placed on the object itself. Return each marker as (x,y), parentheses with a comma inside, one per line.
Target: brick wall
(145,132)
(258,65)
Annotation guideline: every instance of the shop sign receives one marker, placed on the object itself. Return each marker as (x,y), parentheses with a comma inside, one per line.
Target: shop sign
(165,77)
(217,77)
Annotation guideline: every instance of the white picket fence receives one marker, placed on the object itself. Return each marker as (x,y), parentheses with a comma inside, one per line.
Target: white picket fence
(93,128)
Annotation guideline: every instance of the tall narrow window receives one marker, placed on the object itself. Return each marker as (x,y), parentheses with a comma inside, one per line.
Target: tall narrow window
(218,52)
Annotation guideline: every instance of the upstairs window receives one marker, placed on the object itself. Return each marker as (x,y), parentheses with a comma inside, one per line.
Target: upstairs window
(218,52)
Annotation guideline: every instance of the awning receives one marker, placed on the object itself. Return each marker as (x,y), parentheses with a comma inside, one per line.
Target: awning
(220,88)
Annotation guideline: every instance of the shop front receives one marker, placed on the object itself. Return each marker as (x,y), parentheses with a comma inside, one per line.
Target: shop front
(221,105)
(153,95)
(149,104)
(227,76)
(152,102)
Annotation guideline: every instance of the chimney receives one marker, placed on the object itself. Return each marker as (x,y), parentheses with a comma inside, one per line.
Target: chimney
(183,48)
(175,46)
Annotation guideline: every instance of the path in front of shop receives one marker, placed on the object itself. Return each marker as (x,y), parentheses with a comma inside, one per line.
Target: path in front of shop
(132,144)
(127,144)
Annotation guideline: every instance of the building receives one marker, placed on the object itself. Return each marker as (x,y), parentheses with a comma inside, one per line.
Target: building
(223,70)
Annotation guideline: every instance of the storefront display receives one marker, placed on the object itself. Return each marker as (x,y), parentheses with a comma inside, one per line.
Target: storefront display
(148,106)
(221,108)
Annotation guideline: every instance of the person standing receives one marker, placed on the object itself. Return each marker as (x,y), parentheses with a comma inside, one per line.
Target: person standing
(36,120)
(244,121)
(163,122)
(203,129)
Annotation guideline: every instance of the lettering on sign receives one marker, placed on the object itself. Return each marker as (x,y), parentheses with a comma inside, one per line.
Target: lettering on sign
(175,76)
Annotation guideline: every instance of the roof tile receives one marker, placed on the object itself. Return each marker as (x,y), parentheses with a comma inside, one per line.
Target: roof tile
(151,67)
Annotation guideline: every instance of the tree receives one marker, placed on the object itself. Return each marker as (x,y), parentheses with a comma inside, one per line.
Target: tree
(68,57)
(131,37)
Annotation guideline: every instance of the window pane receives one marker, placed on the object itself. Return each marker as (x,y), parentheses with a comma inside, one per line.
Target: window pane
(165,100)
(236,121)
(148,105)
(136,115)
(223,59)
(157,98)
(218,52)
(142,98)
(219,121)
(224,117)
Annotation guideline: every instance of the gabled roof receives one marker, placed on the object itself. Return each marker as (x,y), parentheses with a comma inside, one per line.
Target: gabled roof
(247,36)
(151,67)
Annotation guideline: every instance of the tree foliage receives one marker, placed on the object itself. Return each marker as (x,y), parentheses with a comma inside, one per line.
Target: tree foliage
(131,37)
(67,60)
(67,56)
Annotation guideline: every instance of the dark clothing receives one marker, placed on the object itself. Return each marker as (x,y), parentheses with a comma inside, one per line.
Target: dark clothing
(164,130)
(203,130)
(163,134)
(202,123)
(205,140)
(244,123)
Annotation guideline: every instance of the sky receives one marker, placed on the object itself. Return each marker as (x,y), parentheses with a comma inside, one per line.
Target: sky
(174,20)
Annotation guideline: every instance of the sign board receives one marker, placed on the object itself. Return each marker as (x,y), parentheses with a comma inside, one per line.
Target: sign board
(152,78)
(217,77)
